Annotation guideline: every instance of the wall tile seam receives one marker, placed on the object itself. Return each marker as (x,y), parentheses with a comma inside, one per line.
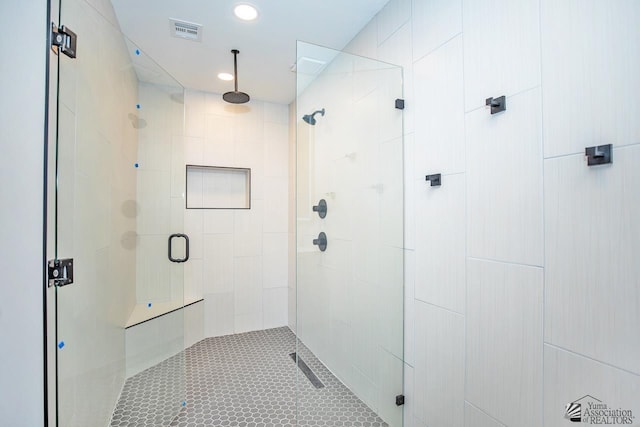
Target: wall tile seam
(600,362)
(409,21)
(409,364)
(512,95)
(511,263)
(456,313)
(581,153)
(484,412)
(438,47)
(544,220)
(391,140)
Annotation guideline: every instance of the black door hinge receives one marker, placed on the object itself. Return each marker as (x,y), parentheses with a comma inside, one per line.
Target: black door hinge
(400,400)
(60,272)
(63,40)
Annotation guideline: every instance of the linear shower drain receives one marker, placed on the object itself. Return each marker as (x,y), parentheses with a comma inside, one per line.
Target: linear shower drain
(306,370)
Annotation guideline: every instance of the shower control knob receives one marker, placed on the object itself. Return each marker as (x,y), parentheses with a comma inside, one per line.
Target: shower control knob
(321,208)
(321,242)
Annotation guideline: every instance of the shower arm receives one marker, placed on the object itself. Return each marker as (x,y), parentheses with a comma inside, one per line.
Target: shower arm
(235,68)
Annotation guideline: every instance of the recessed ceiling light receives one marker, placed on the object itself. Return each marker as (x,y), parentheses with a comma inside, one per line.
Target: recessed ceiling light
(225,76)
(246,12)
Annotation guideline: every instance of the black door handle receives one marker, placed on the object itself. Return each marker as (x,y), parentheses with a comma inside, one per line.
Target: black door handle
(186,251)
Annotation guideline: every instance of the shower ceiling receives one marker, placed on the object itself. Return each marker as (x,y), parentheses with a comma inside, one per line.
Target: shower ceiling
(268,45)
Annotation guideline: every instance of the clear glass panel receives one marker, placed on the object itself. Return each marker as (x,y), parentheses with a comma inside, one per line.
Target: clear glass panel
(119,196)
(350,297)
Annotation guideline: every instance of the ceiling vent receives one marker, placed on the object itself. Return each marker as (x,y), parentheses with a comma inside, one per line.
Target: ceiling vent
(185,30)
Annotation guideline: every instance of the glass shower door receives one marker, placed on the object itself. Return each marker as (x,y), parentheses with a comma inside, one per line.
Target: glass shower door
(119,179)
(350,290)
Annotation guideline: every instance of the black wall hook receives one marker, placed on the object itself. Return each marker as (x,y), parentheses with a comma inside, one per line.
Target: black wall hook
(497,104)
(436,179)
(599,155)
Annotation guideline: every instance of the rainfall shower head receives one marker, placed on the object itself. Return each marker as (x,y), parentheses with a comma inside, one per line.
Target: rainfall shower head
(311,118)
(235,97)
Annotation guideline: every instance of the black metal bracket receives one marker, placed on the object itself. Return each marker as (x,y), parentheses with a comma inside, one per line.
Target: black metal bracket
(64,39)
(400,400)
(60,272)
(321,242)
(400,104)
(436,179)
(497,104)
(599,155)
(321,208)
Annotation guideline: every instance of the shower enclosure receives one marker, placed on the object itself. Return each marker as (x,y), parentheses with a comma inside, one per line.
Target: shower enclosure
(117,248)
(116,179)
(350,225)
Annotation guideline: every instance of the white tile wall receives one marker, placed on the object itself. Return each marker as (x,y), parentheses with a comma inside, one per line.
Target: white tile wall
(247,244)
(193,227)
(474,417)
(193,324)
(439,106)
(569,377)
(439,366)
(218,221)
(276,113)
(590,89)
(410,185)
(504,341)
(434,23)
(274,308)
(504,182)
(235,252)
(247,284)
(409,307)
(393,16)
(194,114)
(390,385)
(366,42)
(274,260)
(218,263)
(150,343)
(276,154)
(219,314)
(409,402)
(396,49)
(501,48)
(592,241)
(276,205)
(193,280)
(440,243)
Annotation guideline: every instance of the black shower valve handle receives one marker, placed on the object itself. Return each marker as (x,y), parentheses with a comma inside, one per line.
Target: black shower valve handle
(321,208)
(321,242)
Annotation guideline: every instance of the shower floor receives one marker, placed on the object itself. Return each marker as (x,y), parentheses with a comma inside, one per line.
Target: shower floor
(243,380)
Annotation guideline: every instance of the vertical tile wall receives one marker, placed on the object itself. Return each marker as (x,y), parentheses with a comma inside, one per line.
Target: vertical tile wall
(522,285)
(239,258)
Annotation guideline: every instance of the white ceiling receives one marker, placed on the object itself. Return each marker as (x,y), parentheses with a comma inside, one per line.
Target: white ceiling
(267,46)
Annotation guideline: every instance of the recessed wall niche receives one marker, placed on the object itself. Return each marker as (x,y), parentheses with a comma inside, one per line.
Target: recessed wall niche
(218,187)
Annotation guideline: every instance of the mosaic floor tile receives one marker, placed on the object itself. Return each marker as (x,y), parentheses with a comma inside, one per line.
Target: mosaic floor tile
(242,380)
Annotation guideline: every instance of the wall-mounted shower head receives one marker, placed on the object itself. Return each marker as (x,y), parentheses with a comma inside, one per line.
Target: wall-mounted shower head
(311,118)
